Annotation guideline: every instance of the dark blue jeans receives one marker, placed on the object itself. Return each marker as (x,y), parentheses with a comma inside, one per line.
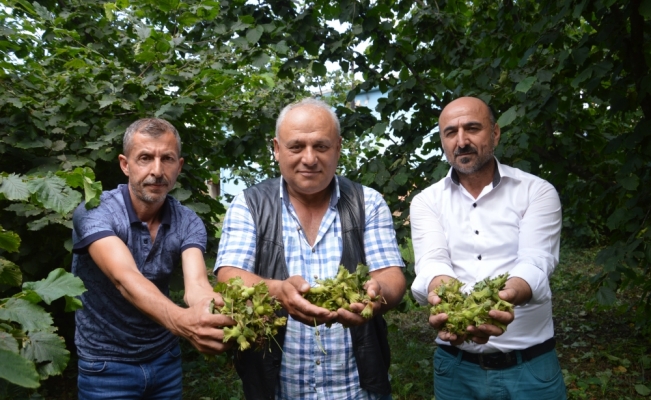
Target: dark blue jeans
(537,379)
(155,379)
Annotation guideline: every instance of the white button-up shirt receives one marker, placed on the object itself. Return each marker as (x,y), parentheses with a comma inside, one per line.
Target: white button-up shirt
(513,226)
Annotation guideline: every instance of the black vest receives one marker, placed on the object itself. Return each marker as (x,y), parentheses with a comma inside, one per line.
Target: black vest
(259,370)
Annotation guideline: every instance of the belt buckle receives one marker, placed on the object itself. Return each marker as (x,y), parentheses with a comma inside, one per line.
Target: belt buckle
(495,361)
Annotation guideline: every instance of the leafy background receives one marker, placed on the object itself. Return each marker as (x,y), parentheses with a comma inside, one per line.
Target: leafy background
(568,79)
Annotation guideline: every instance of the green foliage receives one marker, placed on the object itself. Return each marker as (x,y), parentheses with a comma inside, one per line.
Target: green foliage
(213,378)
(17,369)
(412,345)
(254,313)
(343,290)
(30,348)
(569,82)
(9,241)
(74,75)
(596,361)
(464,310)
(29,344)
(588,344)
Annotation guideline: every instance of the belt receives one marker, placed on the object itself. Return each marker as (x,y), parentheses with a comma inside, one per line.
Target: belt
(502,360)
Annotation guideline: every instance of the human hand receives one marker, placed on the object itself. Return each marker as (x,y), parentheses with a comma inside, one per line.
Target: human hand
(478,334)
(516,291)
(438,321)
(482,333)
(289,293)
(202,328)
(353,316)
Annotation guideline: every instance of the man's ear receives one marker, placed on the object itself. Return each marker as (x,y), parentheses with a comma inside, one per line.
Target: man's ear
(124,165)
(276,149)
(496,134)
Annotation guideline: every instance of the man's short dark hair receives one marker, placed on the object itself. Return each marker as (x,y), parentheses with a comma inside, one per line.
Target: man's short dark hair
(153,127)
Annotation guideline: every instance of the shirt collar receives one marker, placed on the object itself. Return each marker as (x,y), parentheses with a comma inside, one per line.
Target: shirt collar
(334,196)
(497,176)
(166,215)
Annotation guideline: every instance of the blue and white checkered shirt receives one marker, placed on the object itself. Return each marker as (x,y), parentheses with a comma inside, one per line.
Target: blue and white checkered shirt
(323,366)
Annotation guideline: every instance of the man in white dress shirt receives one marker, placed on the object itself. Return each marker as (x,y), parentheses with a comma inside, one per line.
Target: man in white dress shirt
(482,220)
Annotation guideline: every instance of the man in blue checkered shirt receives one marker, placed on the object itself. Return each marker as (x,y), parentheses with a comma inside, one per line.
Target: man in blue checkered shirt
(316,362)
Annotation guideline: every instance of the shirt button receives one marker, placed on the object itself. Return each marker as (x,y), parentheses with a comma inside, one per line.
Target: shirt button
(313,250)
(479,257)
(474,204)
(476,232)
(318,362)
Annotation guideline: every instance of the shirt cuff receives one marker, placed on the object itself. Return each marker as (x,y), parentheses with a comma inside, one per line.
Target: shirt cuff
(191,245)
(537,280)
(420,286)
(226,263)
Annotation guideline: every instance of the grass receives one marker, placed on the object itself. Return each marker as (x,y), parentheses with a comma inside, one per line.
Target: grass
(602,354)
(412,346)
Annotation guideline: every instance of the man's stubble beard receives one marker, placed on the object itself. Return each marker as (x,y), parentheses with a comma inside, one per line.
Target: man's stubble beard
(481,162)
(139,190)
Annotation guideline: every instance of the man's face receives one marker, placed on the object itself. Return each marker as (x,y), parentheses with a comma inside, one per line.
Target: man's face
(467,135)
(307,150)
(152,165)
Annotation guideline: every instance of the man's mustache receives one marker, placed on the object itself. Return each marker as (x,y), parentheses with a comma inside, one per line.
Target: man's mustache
(464,150)
(156,181)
